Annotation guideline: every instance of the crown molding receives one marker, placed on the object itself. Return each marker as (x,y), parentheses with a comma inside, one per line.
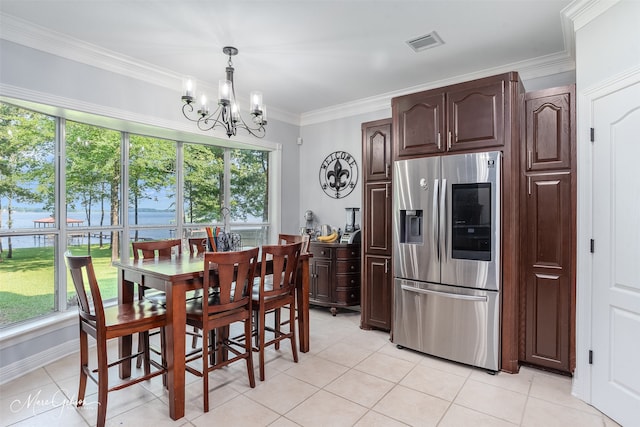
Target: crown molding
(533,68)
(581,12)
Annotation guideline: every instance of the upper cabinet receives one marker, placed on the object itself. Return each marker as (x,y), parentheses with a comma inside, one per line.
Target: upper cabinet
(462,117)
(377,149)
(549,129)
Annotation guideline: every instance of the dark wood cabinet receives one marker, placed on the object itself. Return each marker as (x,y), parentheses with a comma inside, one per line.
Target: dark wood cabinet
(335,275)
(548,116)
(377,145)
(464,117)
(548,212)
(377,224)
(377,298)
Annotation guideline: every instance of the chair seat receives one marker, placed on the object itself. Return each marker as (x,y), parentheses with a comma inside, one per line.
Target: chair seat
(134,317)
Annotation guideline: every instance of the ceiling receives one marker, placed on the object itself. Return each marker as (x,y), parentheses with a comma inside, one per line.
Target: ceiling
(310,55)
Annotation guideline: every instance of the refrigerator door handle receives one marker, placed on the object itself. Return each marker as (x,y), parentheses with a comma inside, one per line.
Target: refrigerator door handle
(434,223)
(443,218)
(444,294)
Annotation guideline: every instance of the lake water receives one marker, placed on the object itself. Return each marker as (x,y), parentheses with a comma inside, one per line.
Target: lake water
(26,220)
(251,235)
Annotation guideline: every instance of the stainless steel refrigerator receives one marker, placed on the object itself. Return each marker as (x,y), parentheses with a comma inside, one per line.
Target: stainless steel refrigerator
(446,255)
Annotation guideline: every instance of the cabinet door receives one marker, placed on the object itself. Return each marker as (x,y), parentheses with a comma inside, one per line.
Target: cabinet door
(322,281)
(377,220)
(418,124)
(376,149)
(549,128)
(476,117)
(376,293)
(548,270)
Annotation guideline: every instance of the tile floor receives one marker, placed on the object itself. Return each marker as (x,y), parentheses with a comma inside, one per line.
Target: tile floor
(350,377)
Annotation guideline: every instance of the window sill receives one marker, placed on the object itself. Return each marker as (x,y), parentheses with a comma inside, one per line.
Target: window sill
(36,328)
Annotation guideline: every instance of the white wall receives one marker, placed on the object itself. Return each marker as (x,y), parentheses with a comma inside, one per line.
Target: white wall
(320,140)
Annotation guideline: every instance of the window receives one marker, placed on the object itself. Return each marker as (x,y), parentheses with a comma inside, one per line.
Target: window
(28,230)
(152,188)
(107,204)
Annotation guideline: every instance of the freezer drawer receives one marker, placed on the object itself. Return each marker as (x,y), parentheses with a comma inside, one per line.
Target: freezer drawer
(458,324)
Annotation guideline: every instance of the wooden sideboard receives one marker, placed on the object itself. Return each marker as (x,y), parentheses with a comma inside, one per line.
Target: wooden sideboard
(335,275)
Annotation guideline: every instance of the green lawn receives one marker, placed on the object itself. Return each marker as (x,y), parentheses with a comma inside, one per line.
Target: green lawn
(27,282)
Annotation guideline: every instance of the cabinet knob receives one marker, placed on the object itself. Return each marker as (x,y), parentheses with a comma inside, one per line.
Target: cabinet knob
(321,252)
(353,267)
(353,282)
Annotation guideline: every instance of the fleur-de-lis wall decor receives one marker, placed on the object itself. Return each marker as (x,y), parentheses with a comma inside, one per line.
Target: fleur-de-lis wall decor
(338,174)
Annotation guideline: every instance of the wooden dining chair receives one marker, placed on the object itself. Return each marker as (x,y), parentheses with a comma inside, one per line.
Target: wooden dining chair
(150,250)
(197,245)
(107,323)
(276,289)
(229,276)
(295,238)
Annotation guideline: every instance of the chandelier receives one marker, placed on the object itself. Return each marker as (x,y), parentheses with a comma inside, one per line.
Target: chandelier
(227,114)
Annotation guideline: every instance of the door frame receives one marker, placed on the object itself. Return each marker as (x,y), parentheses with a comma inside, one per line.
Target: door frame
(582,382)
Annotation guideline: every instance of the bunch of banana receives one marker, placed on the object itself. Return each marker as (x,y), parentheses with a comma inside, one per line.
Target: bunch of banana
(329,238)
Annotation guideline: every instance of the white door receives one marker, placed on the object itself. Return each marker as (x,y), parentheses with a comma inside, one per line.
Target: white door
(615,329)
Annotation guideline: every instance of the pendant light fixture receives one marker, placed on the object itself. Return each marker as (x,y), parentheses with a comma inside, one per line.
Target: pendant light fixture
(227,114)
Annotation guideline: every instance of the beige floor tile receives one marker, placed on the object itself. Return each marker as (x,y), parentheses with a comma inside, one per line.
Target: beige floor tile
(489,399)
(153,413)
(28,403)
(374,419)
(283,422)
(281,393)
(390,349)
(359,387)
(434,382)
(118,402)
(239,411)
(412,407)
(68,366)
(458,416)
(27,382)
(326,409)
(64,416)
(371,340)
(317,371)
(520,382)
(557,389)
(385,367)
(542,413)
(447,365)
(345,353)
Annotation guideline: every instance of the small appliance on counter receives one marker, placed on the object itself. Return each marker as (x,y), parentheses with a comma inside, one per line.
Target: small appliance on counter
(352,228)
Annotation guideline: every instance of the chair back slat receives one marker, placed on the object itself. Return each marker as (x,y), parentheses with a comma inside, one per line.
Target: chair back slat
(285,266)
(160,249)
(89,303)
(231,275)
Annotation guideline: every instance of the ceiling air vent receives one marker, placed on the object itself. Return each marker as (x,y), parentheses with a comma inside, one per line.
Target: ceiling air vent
(425,42)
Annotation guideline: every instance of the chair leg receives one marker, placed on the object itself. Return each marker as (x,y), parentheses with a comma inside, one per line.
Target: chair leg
(276,326)
(140,348)
(147,352)
(103,382)
(194,340)
(205,369)
(248,330)
(84,364)
(163,356)
(292,329)
(261,338)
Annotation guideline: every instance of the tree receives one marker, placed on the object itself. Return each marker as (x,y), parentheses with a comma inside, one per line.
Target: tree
(92,171)
(26,159)
(152,168)
(203,183)
(249,184)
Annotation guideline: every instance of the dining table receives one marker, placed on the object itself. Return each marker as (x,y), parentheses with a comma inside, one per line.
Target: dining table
(175,277)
